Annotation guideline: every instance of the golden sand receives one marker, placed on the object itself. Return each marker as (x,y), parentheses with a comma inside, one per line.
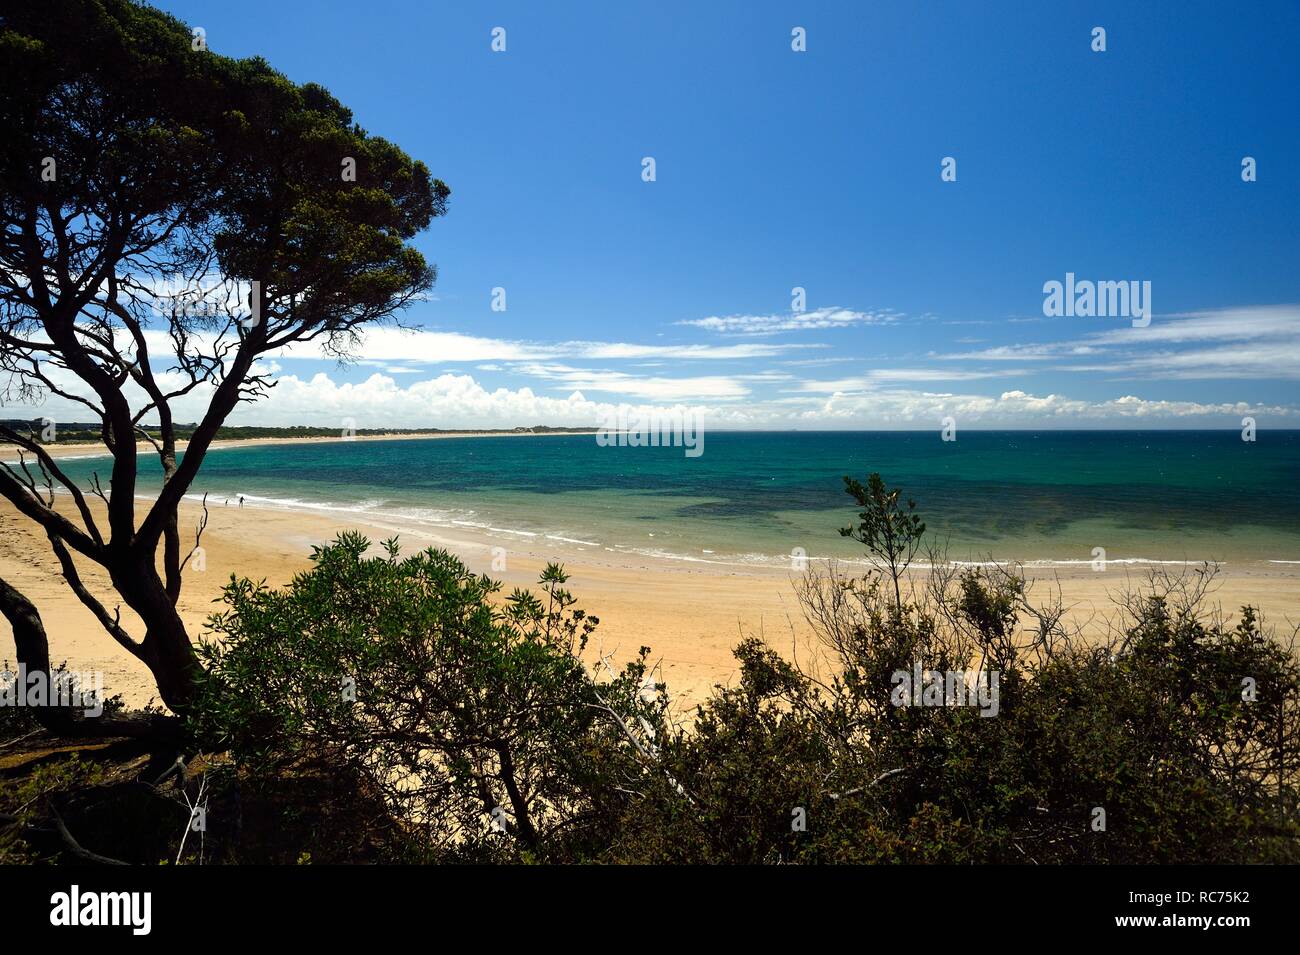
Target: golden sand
(689,614)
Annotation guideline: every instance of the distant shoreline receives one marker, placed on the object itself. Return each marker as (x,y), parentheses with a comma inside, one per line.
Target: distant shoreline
(82,448)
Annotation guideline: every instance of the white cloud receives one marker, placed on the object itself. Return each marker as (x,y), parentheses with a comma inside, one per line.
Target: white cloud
(390,367)
(1021,409)
(833,317)
(873,378)
(423,345)
(459,401)
(1257,342)
(1248,323)
(621,383)
(1242,343)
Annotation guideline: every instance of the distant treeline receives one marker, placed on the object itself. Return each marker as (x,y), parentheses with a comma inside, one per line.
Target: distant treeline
(77,431)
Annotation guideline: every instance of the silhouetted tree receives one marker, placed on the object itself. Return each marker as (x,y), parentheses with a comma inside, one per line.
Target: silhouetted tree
(169,216)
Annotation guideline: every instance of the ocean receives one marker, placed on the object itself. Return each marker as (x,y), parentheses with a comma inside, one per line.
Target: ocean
(756,497)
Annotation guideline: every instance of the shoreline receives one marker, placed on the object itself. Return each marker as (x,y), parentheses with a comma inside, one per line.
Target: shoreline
(624,555)
(79,449)
(591,519)
(585,546)
(690,614)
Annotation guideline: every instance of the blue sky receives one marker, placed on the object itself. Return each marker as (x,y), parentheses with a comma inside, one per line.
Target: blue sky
(821,170)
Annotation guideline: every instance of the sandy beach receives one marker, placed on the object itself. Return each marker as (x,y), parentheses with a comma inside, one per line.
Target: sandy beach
(690,614)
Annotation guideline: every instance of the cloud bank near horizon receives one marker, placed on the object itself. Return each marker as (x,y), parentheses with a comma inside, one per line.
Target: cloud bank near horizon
(1118,377)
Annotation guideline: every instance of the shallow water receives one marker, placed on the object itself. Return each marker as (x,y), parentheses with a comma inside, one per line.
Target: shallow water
(1032,496)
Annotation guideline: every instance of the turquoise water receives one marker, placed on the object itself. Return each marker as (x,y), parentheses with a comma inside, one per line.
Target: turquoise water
(757,496)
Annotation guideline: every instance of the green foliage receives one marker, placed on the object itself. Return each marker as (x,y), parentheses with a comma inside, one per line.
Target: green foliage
(891,531)
(470,706)
(148,182)
(1155,729)
(472,715)
(1185,769)
(17,722)
(25,801)
(183,141)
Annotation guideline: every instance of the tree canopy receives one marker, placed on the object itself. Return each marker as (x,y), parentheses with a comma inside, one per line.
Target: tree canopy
(169,216)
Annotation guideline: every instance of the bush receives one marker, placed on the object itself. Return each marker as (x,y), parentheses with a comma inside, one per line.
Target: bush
(477,726)
(1174,742)
(476,721)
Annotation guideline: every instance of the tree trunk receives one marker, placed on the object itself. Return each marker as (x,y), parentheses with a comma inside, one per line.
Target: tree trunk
(525,829)
(174,664)
(166,649)
(32,650)
(33,655)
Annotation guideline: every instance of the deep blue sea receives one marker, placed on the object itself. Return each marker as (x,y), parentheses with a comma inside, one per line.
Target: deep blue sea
(1052,496)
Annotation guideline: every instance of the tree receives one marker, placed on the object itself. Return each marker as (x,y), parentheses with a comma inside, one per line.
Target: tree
(476,722)
(169,217)
(891,532)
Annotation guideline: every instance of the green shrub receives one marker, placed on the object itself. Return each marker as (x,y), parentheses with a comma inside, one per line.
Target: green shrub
(474,718)
(485,737)
(1182,730)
